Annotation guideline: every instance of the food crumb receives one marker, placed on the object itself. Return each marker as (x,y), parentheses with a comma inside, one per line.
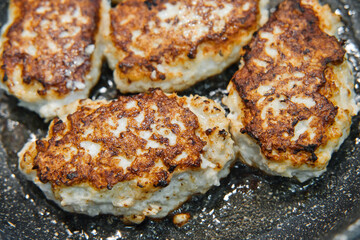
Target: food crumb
(181,219)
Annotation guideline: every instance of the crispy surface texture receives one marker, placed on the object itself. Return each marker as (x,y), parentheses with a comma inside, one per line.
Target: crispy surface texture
(132,129)
(290,48)
(161,41)
(288,86)
(47,48)
(104,169)
(137,156)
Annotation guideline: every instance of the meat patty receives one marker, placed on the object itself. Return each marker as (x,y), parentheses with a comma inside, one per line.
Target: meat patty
(136,156)
(292,100)
(173,44)
(50,53)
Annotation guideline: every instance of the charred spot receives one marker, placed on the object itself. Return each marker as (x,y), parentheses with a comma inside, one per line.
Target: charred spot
(177,152)
(58,126)
(161,183)
(326,61)
(42,92)
(252,135)
(114,152)
(246,101)
(172,168)
(192,53)
(298,6)
(296,151)
(294,122)
(160,139)
(306,51)
(342,42)
(223,133)
(175,130)
(162,76)
(5,78)
(191,123)
(208,131)
(309,148)
(125,66)
(176,20)
(58,143)
(140,185)
(192,142)
(313,157)
(308,39)
(149,67)
(196,164)
(72,175)
(155,58)
(159,153)
(242,21)
(41,146)
(27,79)
(150,4)
(270,93)
(85,121)
(43,178)
(247,57)
(162,177)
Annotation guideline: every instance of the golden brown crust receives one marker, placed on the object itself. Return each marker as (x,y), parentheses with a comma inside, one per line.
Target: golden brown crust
(62,159)
(178,40)
(57,34)
(287,60)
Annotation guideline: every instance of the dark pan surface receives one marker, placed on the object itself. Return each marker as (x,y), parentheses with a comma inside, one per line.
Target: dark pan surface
(248,204)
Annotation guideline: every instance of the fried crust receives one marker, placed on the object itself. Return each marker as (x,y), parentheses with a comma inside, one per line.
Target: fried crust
(284,82)
(48,45)
(62,160)
(179,40)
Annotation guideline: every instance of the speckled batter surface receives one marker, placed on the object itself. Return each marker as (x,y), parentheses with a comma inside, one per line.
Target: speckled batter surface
(248,204)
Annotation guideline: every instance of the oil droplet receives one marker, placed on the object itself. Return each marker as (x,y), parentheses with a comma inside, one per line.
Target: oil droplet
(115,237)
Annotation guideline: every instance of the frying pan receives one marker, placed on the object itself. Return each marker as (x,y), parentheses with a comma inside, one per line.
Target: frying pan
(247,204)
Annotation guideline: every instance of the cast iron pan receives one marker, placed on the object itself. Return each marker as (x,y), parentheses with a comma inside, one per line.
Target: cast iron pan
(248,204)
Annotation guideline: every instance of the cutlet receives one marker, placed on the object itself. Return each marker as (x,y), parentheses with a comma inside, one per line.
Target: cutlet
(292,100)
(174,44)
(136,156)
(50,53)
